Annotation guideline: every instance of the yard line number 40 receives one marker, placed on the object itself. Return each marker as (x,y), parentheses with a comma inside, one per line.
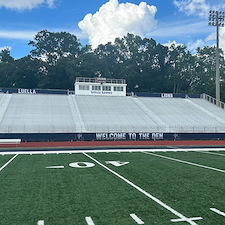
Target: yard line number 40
(88,164)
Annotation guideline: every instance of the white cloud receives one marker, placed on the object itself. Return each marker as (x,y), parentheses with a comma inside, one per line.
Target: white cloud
(199,7)
(217,5)
(212,38)
(30,34)
(24,4)
(181,28)
(222,38)
(170,43)
(192,46)
(20,34)
(193,7)
(116,20)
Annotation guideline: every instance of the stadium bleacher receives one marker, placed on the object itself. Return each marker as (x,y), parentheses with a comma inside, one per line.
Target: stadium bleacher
(49,113)
(36,113)
(100,109)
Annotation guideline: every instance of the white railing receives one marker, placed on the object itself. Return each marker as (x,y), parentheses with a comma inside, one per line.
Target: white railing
(99,80)
(213,101)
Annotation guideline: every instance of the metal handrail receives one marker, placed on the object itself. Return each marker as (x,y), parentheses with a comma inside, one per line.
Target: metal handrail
(213,100)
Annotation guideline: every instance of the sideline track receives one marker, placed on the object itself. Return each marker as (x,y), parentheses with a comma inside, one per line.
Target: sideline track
(113,144)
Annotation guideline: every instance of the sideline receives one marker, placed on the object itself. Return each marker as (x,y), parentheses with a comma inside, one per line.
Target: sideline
(8,162)
(72,151)
(185,162)
(173,211)
(213,153)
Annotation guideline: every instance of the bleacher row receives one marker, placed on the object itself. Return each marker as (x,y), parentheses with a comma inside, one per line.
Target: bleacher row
(48,113)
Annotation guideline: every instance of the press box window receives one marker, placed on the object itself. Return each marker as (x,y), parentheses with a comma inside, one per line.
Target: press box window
(96,88)
(106,88)
(118,89)
(83,87)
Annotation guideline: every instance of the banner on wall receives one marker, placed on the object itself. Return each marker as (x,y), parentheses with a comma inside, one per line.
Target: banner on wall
(112,136)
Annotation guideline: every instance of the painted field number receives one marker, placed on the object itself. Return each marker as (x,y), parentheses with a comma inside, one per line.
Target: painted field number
(88,164)
(81,164)
(116,163)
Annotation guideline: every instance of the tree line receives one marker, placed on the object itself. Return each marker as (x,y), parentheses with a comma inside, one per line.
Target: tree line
(57,58)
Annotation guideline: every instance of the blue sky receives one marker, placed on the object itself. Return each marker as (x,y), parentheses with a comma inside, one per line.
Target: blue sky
(166,21)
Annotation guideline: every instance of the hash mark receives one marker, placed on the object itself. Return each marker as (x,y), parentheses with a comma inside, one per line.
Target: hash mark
(136,219)
(89,220)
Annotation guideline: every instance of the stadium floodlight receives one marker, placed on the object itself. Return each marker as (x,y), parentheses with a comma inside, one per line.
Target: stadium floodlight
(217,18)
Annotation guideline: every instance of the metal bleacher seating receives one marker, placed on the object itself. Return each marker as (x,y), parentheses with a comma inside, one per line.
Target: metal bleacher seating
(48,113)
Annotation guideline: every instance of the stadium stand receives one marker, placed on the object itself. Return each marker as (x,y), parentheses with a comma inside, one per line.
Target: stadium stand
(94,117)
(41,113)
(36,113)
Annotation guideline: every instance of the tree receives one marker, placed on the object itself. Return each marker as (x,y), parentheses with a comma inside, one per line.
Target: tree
(51,46)
(5,56)
(142,62)
(25,73)
(6,71)
(205,67)
(58,58)
(181,72)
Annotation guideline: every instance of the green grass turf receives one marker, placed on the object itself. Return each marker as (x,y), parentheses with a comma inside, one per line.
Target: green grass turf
(211,159)
(29,192)
(4,159)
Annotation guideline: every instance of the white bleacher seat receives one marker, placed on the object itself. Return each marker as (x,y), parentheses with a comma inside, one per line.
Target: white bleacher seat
(46,113)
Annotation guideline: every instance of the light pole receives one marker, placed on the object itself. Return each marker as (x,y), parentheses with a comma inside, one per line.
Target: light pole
(217,18)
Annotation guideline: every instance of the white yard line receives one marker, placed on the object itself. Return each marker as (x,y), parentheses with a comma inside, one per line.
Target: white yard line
(89,220)
(8,162)
(41,222)
(184,218)
(136,219)
(217,211)
(213,153)
(186,162)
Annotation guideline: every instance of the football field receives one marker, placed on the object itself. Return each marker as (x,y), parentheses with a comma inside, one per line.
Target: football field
(113,187)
